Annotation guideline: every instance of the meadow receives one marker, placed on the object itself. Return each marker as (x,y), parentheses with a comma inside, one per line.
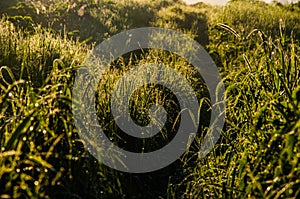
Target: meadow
(255,46)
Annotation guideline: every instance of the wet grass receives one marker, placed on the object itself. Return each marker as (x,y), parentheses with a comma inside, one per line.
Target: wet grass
(256,47)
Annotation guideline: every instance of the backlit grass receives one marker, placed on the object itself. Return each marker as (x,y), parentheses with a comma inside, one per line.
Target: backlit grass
(256,47)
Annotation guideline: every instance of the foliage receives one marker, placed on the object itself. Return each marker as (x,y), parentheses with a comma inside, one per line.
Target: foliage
(259,152)
(255,45)
(41,155)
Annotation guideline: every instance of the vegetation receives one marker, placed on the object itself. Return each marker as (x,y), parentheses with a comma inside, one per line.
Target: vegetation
(256,47)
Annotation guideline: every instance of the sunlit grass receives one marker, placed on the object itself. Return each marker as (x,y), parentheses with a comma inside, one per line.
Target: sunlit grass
(256,47)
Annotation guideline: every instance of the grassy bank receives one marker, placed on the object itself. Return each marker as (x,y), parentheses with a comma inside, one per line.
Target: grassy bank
(256,47)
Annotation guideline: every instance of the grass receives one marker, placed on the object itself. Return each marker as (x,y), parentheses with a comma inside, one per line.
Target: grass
(41,155)
(256,47)
(259,152)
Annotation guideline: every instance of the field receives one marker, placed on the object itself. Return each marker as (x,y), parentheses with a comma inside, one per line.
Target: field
(43,45)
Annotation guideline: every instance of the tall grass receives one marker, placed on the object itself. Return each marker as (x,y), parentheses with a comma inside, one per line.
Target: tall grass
(142,99)
(41,155)
(256,47)
(258,155)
